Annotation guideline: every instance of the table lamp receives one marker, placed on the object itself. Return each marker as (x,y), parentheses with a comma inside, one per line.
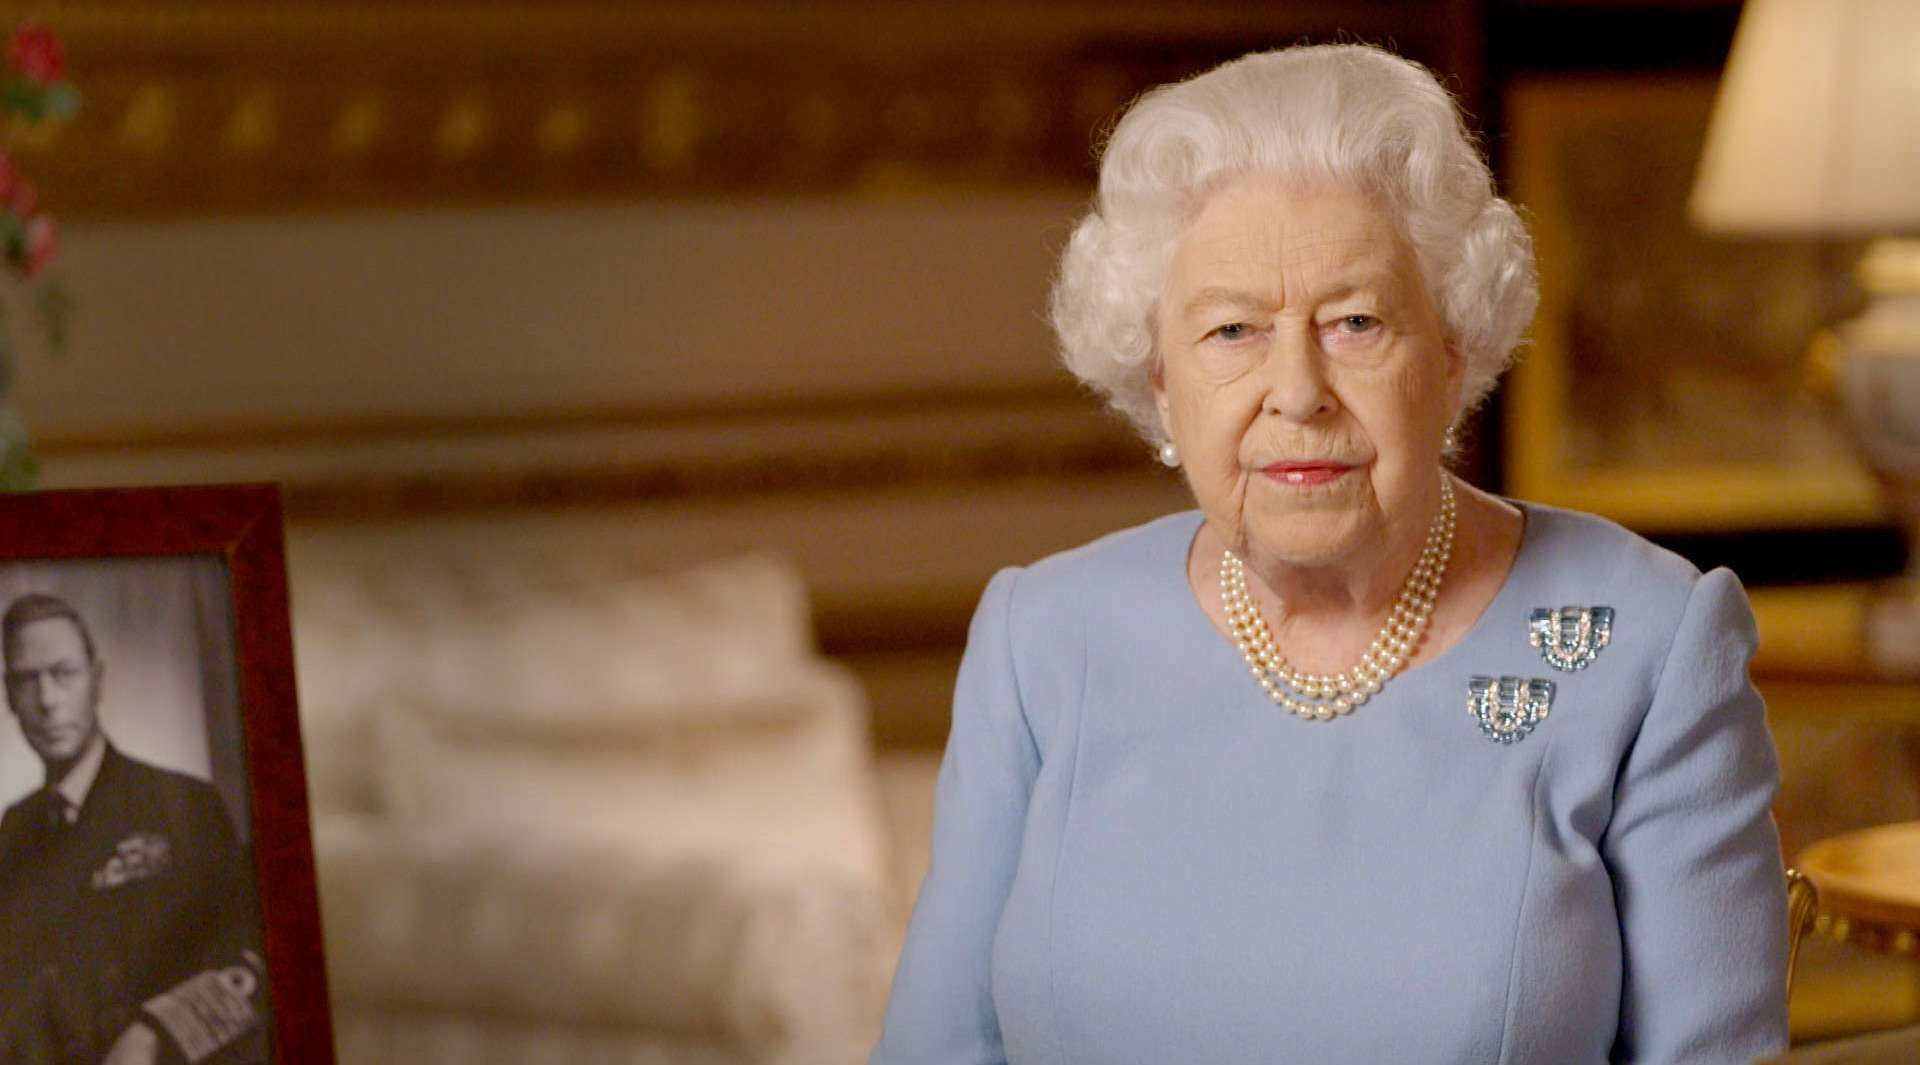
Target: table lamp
(1816,132)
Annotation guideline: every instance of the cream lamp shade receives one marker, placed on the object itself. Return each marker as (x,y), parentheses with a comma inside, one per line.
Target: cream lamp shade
(1817,133)
(1817,126)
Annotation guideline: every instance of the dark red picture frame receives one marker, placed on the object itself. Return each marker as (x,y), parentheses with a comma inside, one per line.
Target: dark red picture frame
(243,525)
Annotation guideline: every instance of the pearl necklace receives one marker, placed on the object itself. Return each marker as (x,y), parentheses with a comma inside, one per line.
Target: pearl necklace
(1321,696)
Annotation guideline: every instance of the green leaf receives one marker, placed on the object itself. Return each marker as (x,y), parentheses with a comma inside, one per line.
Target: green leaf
(25,98)
(53,309)
(13,239)
(19,470)
(21,473)
(61,101)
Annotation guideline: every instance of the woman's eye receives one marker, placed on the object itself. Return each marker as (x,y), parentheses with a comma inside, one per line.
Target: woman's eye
(1351,330)
(1233,331)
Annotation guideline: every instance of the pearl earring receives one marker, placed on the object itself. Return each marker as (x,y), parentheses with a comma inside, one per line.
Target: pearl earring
(1169,455)
(1450,442)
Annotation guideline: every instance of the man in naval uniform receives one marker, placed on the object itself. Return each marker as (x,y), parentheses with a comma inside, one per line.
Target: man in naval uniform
(128,916)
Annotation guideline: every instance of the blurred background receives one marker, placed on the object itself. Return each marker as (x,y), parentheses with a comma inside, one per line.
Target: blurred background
(690,360)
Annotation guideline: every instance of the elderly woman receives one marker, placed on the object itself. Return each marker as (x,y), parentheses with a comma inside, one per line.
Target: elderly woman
(1355,763)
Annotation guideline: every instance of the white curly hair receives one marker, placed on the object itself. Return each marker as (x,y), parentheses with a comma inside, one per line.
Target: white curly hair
(1344,113)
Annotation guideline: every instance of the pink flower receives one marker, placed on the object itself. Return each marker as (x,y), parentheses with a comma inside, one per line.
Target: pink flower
(39,245)
(23,197)
(17,194)
(35,51)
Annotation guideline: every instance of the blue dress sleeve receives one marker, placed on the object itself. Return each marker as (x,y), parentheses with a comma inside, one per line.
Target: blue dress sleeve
(1694,856)
(940,1011)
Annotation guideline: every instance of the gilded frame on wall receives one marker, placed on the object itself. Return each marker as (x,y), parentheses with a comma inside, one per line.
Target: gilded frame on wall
(1664,384)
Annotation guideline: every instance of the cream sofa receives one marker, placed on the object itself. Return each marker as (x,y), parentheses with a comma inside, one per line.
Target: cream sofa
(566,812)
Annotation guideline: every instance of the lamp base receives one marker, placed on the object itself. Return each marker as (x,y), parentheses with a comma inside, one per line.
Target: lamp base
(1877,378)
(1891,625)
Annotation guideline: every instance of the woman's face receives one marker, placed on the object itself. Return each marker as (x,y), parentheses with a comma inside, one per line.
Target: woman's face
(1304,375)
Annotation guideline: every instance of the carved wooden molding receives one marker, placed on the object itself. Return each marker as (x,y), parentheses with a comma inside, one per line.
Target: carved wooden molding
(881,442)
(238,106)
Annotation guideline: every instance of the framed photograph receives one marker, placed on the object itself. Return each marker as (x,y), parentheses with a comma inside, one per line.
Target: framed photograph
(1665,386)
(157,898)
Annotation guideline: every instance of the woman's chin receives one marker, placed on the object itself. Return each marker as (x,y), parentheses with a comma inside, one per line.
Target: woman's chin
(1310,537)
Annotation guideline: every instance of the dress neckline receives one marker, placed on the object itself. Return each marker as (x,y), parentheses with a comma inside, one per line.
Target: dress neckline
(1524,558)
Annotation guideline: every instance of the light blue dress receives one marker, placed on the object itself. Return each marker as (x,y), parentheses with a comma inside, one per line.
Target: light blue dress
(1137,857)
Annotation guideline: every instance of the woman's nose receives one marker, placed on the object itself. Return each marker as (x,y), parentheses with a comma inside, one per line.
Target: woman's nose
(1295,377)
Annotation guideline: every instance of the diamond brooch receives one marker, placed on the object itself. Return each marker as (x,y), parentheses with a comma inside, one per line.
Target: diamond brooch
(1508,708)
(1569,638)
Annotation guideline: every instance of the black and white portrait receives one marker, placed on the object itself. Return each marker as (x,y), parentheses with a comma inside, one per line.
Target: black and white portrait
(129,914)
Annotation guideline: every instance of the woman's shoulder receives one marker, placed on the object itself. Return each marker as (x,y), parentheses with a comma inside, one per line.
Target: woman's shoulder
(1053,615)
(1659,609)
(1127,561)
(1575,558)
(1131,572)
(1577,550)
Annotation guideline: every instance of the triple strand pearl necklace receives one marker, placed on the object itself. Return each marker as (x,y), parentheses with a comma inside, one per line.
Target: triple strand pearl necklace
(1321,696)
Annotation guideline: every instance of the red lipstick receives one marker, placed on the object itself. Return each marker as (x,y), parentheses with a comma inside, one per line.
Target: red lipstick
(1305,474)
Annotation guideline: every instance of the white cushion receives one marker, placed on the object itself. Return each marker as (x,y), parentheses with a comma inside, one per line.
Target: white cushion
(716,639)
(797,786)
(575,642)
(372,1035)
(344,653)
(561,929)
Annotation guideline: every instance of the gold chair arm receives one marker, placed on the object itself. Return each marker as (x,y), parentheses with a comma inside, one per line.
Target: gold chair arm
(1803,903)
